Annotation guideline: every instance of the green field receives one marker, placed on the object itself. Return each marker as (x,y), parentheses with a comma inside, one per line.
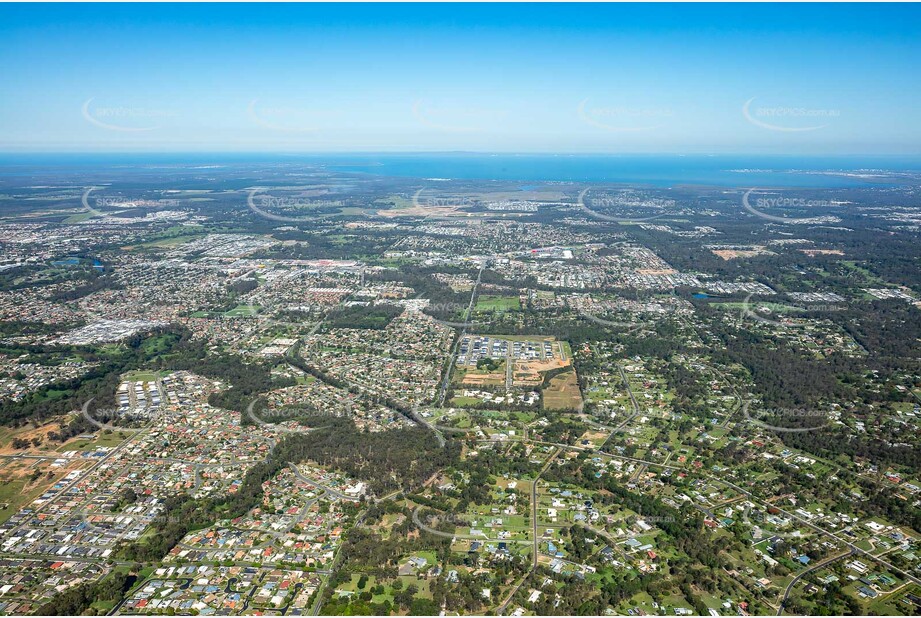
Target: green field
(13,492)
(11,497)
(104,438)
(242,311)
(141,376)
(79,218)
(166,243)
(497,303)
(775,307)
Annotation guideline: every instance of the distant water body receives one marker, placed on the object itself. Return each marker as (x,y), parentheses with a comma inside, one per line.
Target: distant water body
(720,171)
(657,170)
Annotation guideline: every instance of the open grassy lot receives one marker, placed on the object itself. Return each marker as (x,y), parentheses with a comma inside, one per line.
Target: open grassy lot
(102,439)
(23,480)
(12,497)
(242,311)
(79,218)
(563,392)
(488,302)
(141,376)
(464,401)
(165,243)
(472,377)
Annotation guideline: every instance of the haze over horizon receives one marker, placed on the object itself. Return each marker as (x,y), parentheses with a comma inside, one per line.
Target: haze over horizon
(798,79)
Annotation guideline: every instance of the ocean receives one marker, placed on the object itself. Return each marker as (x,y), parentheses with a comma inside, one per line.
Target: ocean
(761,171)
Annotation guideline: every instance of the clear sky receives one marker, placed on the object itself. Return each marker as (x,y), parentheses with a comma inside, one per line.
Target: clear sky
(756,78)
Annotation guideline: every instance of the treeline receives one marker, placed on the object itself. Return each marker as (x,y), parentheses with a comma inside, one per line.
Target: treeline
(690,391)
(248,379)
(34,276)
(446,304)
(16,328)
(685,529)
(787,380)
(176,350)
(293,358)
(314,246)
(783,378)
(94,285)
(77,601)
(560,430)
(887,329)
(580,598)
(834,443)
(549,375)
(243,285)
(558,323)
(98,383)
(387,460)
(372,317)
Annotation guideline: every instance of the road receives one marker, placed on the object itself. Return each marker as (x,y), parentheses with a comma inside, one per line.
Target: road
(827,533)
(443,389)
(502,607)
(453,536)
(318,601)
(818,565)
(756,500)
(636,407)
(591,449)
(329,490)
(740,402)
(421,420)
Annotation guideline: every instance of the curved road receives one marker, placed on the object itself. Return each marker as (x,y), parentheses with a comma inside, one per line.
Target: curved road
(818,565)
(466,537)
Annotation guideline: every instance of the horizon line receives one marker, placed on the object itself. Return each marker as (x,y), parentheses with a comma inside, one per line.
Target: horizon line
(453,152)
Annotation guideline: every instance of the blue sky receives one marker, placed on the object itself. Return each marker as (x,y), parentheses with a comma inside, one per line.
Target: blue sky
(756,78)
